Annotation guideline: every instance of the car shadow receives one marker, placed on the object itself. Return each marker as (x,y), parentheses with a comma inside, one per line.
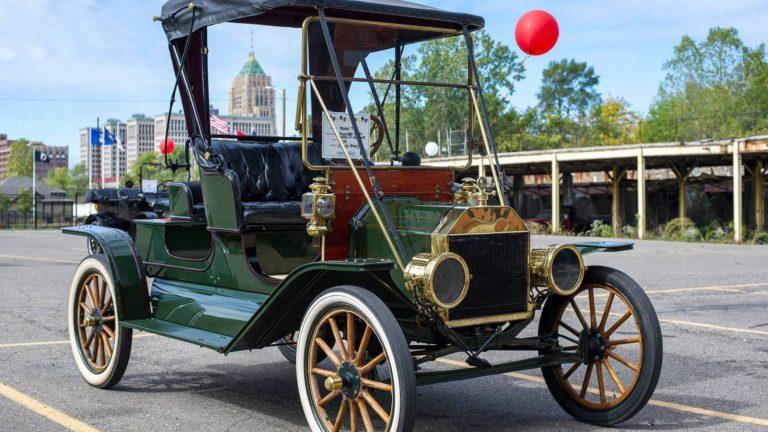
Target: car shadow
(487,404)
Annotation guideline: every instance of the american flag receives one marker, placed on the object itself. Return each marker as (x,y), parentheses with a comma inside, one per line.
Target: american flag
(219,124)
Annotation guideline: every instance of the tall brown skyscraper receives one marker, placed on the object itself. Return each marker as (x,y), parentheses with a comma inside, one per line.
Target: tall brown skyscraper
(252,95)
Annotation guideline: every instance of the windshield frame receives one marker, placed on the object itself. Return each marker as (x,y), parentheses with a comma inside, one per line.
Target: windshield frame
(304,100)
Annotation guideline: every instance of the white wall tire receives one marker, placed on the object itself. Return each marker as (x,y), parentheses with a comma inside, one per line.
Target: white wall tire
(101,349)
(386,340)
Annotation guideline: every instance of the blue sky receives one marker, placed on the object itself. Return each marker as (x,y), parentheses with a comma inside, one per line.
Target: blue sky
(62,64)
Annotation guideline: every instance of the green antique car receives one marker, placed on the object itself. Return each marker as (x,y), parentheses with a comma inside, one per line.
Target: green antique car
(362,273)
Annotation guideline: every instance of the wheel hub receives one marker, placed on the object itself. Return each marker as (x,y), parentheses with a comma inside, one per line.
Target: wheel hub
(347,381)
(95,320)
(593,344)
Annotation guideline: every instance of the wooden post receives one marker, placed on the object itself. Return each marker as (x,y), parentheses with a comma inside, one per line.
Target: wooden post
(682,173)
(641,195)
(555,195)
(759,195)
(738,235)
(616,177)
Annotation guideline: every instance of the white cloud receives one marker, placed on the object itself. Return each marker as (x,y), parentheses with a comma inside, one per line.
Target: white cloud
(79,46)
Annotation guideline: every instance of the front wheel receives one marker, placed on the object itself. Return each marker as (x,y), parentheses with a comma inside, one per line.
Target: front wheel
(367,380)
(611,322)
(100,345)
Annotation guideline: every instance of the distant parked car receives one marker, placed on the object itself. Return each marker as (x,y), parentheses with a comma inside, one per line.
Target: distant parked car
(544,219)
(118,208)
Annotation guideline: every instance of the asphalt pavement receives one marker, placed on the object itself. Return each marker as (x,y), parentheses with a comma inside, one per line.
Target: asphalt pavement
(712,301)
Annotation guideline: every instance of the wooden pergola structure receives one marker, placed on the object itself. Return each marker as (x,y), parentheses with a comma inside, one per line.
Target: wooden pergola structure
(746,156)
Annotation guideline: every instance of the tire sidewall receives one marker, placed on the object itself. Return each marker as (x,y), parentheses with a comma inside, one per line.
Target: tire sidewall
(652,353)
(91,265)
(364,303)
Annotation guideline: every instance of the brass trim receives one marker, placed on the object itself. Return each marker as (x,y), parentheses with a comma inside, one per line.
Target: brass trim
(540,265)
(479,221)
(419,277)
(493,319)
(486,143)
(351,163)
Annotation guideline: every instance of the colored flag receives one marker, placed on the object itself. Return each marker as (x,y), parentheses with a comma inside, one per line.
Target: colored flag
(96,137)
(42,157)
(219,124)
(109,138)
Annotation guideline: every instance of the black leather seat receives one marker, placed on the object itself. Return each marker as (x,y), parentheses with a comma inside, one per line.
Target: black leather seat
(270,178)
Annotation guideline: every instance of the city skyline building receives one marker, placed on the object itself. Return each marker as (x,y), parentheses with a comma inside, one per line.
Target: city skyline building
(90,153)
(140,138)
(252,95)
(114,156)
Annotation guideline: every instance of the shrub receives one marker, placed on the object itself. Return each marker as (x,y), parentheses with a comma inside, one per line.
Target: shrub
(760,238)
(681,229)
(599,229)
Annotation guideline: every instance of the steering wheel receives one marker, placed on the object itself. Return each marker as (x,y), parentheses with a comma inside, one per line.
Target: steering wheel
(377,126)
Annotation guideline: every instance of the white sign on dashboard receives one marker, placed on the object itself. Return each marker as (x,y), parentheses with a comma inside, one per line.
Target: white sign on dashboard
(332,148)
(149,186)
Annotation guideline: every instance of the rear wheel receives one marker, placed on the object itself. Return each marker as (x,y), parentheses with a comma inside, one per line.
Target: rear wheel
(100,345)
(91,244)
(287,347)
(366,383)
(612,323)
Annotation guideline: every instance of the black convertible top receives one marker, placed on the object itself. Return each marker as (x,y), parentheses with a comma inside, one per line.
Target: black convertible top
(291,13)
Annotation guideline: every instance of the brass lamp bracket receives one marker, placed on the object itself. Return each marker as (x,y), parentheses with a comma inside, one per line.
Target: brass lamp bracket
(318,206)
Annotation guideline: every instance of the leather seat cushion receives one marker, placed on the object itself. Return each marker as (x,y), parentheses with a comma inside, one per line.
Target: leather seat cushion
(270,178)
(265,171)
(273,213)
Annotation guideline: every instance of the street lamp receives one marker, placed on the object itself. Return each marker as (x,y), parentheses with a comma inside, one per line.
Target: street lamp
(282,91)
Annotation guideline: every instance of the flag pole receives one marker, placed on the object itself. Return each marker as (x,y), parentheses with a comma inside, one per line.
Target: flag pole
(34,188)
(89,144)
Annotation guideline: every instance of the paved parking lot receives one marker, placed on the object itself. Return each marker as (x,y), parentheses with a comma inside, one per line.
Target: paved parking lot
(712,301)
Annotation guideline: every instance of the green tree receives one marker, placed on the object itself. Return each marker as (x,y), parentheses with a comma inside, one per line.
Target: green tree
(24,201)
(59,178)
(74,180)
(568,89)
(426,110)
(614,123)
(153,168)
(713,88)
(5,203)
(20,160)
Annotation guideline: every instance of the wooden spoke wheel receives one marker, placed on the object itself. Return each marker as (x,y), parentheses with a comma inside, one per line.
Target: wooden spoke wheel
(287,347)
(100,346)
(361,381)
(609,321)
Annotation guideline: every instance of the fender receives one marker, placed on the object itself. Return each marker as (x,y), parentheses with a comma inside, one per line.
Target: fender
(126,269)
(281,314)
(587,248)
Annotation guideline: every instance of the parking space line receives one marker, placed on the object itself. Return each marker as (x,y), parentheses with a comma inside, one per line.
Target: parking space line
(714,327)
(42,259)
(56,342)
(727,288)
(739,288)
(44,410)
(653,402)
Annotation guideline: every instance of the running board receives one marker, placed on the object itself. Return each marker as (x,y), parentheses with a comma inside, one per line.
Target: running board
(203,338)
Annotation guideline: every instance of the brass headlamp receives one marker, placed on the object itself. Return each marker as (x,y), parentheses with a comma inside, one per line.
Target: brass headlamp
(441,279)
(559,268)
(319,207)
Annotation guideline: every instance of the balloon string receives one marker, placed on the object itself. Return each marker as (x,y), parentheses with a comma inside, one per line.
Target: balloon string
(516,78)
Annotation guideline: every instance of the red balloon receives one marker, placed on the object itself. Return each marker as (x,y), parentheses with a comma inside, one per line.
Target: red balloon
(166,147)
(536,32)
